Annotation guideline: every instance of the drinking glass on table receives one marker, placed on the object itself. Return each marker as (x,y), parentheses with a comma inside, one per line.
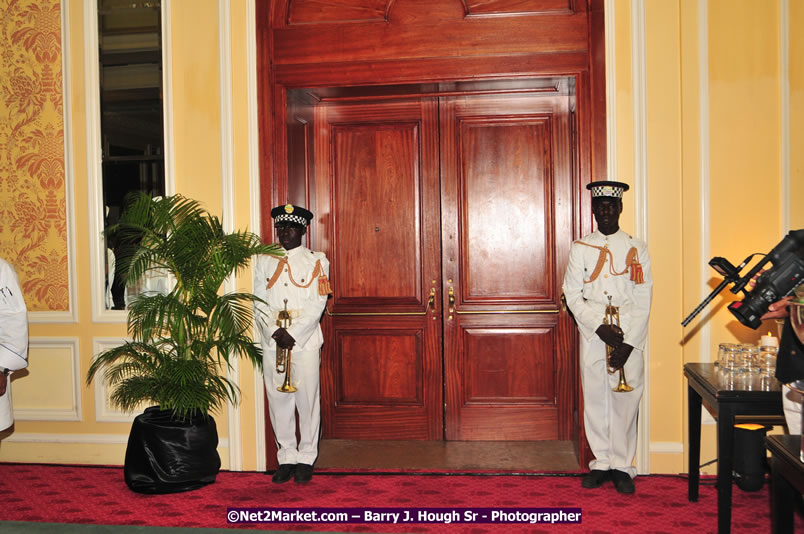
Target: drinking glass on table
(767,360)
(748,381)
(749,359)
(728,356)
(726,379)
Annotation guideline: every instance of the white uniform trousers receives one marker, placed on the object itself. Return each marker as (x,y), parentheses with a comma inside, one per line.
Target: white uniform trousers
(304,375)
(6,408)
(791,402)
(610,419)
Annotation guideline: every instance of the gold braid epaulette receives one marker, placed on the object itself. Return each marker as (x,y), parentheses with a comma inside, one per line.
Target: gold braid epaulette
(324,287)
(631,264)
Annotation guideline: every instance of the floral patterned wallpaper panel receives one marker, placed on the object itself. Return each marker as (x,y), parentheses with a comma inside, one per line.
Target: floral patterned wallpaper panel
(33,221)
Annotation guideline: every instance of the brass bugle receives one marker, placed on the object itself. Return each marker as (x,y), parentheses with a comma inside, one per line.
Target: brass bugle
(283,356)
(286,386)
(612,318)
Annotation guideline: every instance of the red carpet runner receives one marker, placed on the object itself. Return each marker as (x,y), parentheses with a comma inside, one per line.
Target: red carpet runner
(65,494)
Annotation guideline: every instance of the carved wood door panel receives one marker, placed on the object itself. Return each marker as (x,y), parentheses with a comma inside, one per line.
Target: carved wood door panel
(506,231)
(447,224)
(378,189)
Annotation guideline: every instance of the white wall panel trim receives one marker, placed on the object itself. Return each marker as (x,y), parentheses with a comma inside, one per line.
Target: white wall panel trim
(228,201)
(640,89)
(609,13)
(666,447)
(73,412)
(71,315)
(703,128)
(167,98)
(254,195)
(103,412)
(89,439)
(69,169)
(97,244)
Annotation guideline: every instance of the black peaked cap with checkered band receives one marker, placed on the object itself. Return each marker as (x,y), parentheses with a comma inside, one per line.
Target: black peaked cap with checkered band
(290,214)
(605,188)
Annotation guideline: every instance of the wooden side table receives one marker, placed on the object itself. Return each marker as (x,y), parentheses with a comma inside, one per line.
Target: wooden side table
(787,479)
(729,402)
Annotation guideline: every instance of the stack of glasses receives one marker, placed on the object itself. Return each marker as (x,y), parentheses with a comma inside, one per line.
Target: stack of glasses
(746,366)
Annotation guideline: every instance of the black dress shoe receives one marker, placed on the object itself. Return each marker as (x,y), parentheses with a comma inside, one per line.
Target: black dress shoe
(595,478)
(304,473)
(622,481)
(283,474)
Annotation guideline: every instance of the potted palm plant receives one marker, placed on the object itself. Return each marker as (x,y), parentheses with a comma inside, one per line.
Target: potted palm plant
(182,339)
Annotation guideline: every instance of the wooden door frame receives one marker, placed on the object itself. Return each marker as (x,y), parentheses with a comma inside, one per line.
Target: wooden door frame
(276,79)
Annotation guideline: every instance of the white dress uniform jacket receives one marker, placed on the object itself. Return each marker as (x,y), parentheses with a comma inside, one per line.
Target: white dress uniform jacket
(306,306)
(13,335)
(609,418)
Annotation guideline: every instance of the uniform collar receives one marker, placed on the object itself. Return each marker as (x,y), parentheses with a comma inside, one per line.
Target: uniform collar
(295,252)
(616,235)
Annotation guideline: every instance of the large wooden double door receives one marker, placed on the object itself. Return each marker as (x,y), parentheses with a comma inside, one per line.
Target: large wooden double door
(447,221)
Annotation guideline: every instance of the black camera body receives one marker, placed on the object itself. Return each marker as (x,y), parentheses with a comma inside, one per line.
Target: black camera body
(777,282)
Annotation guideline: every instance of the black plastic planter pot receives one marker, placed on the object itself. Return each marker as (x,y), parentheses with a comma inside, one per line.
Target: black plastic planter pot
(165,455)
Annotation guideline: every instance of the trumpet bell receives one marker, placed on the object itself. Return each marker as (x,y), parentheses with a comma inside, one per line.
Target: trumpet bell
(622,385)
(286,387)
(612,317)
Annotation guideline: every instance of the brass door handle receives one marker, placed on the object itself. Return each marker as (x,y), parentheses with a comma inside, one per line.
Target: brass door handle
(451,299)
(431,301)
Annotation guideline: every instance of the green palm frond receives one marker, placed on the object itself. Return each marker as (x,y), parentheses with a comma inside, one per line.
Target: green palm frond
(183,340)
(242,347)
(233,314)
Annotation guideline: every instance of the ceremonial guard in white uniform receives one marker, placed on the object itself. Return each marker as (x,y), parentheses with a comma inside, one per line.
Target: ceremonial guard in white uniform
(609,267)
(295,288)
(13,338)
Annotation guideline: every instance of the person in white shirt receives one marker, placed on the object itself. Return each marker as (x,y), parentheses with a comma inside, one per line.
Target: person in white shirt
(606,267)
(13,338)
(297,282)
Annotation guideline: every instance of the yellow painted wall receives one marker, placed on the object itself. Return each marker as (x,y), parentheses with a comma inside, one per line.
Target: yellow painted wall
(664,157)
(743,110)
(240,120)
(725,189)
(796,73)
(196,115)
(196,101)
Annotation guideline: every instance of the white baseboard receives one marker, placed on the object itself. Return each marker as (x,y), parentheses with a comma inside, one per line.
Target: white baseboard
(666,447)
(98,439)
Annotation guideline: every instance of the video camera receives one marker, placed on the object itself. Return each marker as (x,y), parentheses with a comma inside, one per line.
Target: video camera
(777,282)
